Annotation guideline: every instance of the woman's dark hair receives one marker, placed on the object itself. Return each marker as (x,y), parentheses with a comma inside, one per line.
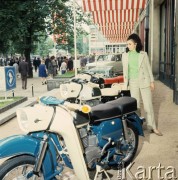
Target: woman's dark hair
(136,39)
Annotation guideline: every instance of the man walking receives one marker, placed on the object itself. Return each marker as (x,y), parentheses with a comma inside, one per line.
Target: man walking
(23,70)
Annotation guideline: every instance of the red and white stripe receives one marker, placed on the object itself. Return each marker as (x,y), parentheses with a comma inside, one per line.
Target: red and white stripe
(115,18)
(105,5)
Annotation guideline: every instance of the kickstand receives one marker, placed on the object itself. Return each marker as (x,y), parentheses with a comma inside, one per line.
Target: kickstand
(99,169)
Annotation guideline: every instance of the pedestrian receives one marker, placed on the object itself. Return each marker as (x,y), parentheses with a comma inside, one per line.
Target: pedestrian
(54,63)
(16,68)
(70,65)
(138,76)
(43,72)
(47,62)
(52,67)
(23,70)
(35,64)
(63,67)
(59,61)
(38,62)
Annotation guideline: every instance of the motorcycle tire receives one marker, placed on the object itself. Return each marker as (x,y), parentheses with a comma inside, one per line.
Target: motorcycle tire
(133,130)
(11,164)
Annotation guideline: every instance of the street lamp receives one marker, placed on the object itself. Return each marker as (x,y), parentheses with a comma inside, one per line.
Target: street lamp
(75,34)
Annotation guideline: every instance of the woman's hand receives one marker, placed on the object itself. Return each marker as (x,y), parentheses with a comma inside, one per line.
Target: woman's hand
(152,86)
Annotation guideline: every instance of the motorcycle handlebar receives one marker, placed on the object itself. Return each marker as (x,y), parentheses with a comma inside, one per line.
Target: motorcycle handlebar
(79,81)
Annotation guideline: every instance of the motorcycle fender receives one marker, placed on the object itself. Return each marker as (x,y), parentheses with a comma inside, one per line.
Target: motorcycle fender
(19,144)
(24,144)
(137,123)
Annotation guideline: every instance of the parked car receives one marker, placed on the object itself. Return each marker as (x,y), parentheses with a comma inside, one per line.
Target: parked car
(101,70)
(105,60)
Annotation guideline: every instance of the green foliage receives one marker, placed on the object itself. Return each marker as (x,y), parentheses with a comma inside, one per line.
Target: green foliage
(44,46)
(25,24)
(9,101)
(83,44)
(68,74)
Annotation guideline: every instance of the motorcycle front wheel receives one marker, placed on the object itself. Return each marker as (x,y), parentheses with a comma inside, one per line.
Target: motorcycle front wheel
(17,168)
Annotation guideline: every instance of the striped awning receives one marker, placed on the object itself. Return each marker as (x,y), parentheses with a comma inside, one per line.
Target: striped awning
(115,18)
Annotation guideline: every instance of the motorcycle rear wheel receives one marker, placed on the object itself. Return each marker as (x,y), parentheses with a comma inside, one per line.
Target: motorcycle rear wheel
(17,167)
(133,144)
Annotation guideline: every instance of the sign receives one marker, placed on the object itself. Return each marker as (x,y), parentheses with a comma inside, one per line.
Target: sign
(7,78)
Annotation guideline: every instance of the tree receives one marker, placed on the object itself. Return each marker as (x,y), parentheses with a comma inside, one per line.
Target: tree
(44,46)
(22,21)
(82,44)
(65,38)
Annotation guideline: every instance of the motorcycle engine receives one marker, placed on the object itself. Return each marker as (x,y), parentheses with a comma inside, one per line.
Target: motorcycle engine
(90,143)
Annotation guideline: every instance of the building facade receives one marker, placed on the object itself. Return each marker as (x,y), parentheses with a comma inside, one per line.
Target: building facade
(158,29)
(99,45)
(156,21)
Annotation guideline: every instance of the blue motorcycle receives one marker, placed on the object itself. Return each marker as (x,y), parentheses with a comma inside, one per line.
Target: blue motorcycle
(62,135)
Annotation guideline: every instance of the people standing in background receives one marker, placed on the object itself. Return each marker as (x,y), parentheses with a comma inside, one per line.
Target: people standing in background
(47,62)
(138,76)
(16,68)
(12,61)
(54,64)
(43,72)
(23,70)
(50,68)
(70,64)
(63,68)
(59,61)
(35,64)
(38,62)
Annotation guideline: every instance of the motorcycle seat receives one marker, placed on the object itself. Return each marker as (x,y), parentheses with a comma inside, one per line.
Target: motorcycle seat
(125,104)
(103,112)
(109,110)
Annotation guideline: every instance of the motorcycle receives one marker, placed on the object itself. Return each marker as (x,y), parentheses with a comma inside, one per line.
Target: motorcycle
(60,135)
(90,89)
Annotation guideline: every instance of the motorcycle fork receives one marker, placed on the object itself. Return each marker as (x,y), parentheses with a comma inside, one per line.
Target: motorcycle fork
(41,154)
(125,129)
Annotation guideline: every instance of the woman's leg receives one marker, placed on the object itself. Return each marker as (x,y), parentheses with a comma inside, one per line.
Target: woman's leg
(135,93)
(42,80)
(148,107)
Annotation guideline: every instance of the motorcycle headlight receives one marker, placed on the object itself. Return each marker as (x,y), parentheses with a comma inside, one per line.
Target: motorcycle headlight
(63,90)
(22,120)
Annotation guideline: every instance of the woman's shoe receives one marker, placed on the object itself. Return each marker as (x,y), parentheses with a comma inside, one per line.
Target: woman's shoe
(157,132)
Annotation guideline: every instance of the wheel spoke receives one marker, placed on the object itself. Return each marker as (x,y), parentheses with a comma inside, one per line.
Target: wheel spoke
(24,170)
(20,172)
(130,146)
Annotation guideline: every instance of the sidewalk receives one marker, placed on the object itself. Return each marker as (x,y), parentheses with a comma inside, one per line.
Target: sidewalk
(37,86)
(153,151)
(38,90)
(162,99)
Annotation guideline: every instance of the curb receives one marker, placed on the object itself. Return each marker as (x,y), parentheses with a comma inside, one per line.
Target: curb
(11,113)
(6,108)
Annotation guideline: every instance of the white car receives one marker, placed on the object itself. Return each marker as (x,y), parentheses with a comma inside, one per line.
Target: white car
(106,60)
(101,71)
